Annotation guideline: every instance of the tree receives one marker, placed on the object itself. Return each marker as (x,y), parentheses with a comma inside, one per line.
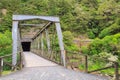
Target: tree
(113,29)
(68,41)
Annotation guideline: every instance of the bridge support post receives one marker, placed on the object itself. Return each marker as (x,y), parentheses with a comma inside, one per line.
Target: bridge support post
(42,44)
(15,42)
(34,46)
(38,43)
(1,66)
(60,38)
(48,40)
(116,66)
(19,40)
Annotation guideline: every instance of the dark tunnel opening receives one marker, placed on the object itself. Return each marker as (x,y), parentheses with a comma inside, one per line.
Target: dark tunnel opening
(26,46)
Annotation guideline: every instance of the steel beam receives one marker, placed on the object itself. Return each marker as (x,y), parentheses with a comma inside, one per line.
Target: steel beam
(19,40)
(60,39)
(38,43)
(15,45)
(35,25)
(31,17)
(44,27)
(26,40)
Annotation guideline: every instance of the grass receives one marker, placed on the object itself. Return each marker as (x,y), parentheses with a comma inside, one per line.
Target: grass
(6,72)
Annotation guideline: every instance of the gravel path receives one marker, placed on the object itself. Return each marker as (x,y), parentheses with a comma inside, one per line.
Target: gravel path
(49,71)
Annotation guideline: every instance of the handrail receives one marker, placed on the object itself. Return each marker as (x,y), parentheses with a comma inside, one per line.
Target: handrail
(87,55)
(9,64)
(47,57)
(6,56)
(75,53)
(115,64)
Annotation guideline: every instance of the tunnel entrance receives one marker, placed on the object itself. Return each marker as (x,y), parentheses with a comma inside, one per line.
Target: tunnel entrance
(26,46)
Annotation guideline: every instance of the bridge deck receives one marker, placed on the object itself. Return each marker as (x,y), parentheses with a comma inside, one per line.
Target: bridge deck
(37,68)
(32,60)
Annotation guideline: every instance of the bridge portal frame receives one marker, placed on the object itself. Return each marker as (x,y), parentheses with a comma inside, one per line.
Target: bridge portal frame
(16,35)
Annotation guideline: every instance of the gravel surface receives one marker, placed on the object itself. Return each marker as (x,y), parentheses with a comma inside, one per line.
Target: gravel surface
(50,73)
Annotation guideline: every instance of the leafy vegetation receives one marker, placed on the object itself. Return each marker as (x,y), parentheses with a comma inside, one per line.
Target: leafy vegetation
(108,44)
(5,43)
(77,16)
(113,29)
(68,41)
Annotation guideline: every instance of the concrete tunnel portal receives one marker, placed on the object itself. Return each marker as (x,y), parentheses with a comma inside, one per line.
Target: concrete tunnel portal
(26,46)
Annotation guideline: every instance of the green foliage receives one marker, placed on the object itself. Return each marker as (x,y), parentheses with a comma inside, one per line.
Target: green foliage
(6,23)
(5,43)
(113,29)
(68,41)
(78,16)
(108,56)
(104,17)
(108,44)
(91,35)
(84,49)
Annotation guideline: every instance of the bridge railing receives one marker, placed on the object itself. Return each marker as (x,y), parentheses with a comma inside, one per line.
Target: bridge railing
(92,64)
(6,63)
(54,56)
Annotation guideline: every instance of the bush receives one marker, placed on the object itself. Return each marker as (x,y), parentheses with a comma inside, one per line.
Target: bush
(91,35)
(108,56)
(68,41)
(5,43)
(85,49)
(109,44)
